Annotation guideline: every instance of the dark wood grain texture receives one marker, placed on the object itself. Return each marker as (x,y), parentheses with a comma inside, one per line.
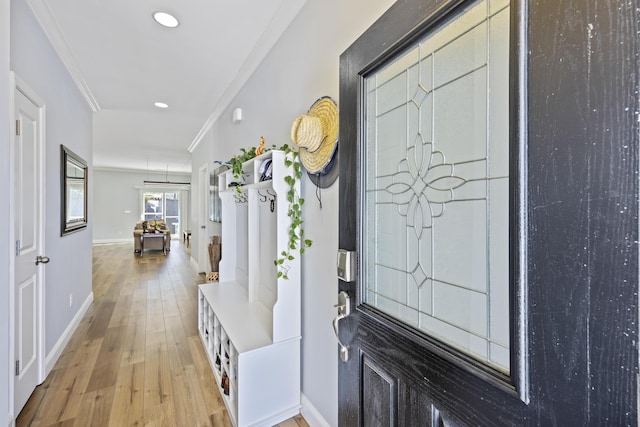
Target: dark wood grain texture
(379,397)
(583,209)
(574,227)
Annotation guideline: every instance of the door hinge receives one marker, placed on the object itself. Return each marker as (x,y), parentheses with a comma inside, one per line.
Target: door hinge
(17,247)
(17,368)
(18,127)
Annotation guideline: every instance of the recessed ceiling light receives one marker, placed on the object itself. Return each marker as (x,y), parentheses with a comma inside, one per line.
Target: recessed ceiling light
(166,19)
(161,104)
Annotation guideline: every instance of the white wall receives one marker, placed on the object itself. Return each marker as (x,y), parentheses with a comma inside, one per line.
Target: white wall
(68,122)
(302,66)
(201,156)
(5,184)
(118,191)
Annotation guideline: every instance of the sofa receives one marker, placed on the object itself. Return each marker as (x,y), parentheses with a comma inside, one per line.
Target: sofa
(153,226)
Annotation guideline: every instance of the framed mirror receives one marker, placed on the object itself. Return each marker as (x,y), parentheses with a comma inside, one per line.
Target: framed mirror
(215,203)
(73,191)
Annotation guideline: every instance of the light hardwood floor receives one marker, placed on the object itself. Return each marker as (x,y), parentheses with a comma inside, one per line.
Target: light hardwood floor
(136,358)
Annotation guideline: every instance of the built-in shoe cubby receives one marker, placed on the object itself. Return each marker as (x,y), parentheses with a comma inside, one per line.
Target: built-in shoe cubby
(249,322)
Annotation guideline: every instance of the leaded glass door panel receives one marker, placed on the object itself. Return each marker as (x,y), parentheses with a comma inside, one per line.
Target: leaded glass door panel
(437,184)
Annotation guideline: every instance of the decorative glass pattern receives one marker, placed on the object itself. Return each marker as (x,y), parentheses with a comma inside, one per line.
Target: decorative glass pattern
(436,184)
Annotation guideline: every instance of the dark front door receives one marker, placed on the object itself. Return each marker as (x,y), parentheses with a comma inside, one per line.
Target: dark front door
(489,190)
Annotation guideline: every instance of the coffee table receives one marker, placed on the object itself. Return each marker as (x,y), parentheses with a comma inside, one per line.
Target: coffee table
(145,236)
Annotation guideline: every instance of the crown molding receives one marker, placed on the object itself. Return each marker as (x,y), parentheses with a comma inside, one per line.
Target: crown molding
(50,27)
(141,171)
(280,21)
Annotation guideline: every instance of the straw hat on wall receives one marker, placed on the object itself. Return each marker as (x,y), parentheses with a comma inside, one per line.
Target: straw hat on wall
(315,135)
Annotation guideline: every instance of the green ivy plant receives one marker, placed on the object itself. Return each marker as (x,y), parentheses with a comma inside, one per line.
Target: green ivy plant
(297,242)
(236,162)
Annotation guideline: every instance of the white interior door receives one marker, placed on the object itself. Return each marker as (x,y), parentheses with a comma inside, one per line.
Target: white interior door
(29,245)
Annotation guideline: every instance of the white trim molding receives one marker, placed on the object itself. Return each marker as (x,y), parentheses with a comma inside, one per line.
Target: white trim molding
(279,22)
(112,241)
(194,265)
(12,314)
(47,22)
(55,353)
(311,415)
(11,422)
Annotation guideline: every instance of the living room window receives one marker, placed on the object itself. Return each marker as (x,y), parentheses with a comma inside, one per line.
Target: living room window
(163,205)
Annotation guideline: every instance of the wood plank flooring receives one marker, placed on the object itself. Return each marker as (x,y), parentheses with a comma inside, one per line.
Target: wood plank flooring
(136,358)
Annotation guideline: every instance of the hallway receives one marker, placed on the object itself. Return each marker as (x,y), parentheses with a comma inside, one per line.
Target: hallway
(135,358)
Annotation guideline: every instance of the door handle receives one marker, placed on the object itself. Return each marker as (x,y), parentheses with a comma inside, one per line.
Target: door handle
(344,309)
(42,259)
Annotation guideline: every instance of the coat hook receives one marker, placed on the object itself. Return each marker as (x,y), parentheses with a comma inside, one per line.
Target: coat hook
(240,198)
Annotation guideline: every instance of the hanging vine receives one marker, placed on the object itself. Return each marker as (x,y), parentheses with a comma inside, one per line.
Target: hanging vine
(297,242)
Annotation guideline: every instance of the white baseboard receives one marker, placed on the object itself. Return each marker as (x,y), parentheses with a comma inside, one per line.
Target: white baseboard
(55,353)
(194,265)
(278,418)
(110,241)
(311,414)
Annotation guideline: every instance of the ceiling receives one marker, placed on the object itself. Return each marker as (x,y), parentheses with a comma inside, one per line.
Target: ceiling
(123,62)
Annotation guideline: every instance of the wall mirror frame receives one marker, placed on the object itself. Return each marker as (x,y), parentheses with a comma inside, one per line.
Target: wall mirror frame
(73,192)
(215,203)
